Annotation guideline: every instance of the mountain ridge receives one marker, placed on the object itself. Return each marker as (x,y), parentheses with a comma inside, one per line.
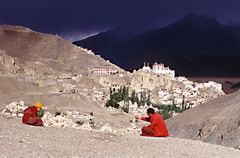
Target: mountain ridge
(180,45)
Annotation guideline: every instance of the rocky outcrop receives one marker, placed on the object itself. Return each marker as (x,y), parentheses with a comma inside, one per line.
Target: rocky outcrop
(8,64)
(72,119)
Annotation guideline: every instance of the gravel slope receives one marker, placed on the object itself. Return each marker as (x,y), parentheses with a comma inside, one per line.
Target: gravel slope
(218,119)
(18,140)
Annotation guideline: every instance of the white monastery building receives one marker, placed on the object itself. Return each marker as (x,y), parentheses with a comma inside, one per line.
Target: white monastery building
(158,69)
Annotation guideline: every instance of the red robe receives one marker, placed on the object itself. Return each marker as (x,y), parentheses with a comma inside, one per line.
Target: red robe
(157,128)
(30,116)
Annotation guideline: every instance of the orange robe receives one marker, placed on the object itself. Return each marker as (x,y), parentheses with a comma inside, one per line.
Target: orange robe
(30,116)
(157,128)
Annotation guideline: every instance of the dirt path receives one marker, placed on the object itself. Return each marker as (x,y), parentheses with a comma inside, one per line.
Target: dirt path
(18,140)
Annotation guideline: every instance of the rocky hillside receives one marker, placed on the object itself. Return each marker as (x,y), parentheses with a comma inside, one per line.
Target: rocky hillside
(217,122)
(47,50)
(36,66)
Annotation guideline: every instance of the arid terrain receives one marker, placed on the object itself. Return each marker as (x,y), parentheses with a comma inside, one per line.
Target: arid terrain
(217,122)
(18,140)
(46,68)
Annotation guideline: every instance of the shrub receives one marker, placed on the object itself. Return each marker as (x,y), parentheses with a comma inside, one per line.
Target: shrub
(57,113)
(125,109)
(112,103)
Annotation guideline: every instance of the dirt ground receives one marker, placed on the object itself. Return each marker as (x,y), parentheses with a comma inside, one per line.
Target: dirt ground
(218,120)
(23,141)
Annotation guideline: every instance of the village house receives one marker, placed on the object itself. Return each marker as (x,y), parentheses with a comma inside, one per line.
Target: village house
(192,93)
(99,95)
(103,71)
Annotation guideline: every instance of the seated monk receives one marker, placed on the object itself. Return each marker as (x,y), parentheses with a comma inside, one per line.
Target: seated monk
(157,128)
(32,115)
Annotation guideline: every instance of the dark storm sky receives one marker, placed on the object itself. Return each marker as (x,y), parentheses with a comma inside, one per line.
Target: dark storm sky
(75,19)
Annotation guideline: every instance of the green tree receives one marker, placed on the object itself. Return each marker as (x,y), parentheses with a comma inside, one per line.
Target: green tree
(148,99)
(125,93)
(134,98)
(112,103)
(125,108)
(115,97)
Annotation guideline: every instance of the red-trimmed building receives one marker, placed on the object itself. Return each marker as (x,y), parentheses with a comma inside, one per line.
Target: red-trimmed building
(103,71)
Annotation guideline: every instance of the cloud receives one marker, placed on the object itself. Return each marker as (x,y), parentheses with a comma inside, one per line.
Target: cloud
(78,35)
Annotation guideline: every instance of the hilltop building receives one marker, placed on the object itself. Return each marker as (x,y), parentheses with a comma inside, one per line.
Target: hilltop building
(161,69)
(158,69)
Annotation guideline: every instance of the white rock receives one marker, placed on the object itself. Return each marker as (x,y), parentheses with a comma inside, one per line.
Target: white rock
(106,128)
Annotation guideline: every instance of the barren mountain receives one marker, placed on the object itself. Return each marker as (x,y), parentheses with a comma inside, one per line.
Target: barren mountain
(106,42)
(36,66)
(194,45)
(29,46)
(217,121)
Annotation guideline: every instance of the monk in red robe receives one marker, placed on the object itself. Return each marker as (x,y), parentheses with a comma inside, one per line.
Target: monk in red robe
(31,115)
(157,128)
